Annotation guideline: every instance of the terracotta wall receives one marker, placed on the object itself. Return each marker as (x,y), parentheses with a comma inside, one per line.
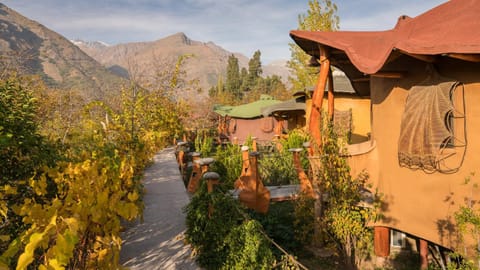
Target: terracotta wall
(262,128)
(416,202)
(360,113)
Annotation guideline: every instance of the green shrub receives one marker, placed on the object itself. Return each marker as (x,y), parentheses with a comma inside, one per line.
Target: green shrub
(224,239)
(228,163)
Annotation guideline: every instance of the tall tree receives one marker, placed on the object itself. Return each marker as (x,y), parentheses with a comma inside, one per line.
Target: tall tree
(254,70)
(243,79)
(233,82)
(321,16)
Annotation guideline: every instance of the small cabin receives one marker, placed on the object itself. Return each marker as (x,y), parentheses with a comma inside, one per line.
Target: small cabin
(238,123)
(421,80)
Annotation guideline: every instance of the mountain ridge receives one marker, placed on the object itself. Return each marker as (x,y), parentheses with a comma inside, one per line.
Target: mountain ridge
(95,67)
(208,57)
(35,49)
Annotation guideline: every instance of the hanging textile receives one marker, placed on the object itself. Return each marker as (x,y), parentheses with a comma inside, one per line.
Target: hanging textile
(427,124)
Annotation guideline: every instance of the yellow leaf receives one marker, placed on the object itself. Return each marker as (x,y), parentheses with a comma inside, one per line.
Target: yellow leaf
(133,196)
(54,263)
(9,189)
(4,238)
(72,223)
(102,253)
(26,257)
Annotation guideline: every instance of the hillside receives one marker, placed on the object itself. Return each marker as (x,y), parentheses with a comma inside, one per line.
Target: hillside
(95,68)
(148,59)
(31,48)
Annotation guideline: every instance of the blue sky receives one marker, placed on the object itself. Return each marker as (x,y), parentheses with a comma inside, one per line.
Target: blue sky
(242,26)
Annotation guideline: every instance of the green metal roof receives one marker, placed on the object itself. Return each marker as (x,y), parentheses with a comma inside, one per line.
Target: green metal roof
(289,105)
(249,110)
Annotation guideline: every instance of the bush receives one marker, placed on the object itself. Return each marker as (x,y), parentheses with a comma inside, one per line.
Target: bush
(22,153)
(224,239)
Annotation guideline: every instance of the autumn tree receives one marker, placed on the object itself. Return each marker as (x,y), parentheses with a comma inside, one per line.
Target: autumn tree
(61,205)
(23,151)
(321,16)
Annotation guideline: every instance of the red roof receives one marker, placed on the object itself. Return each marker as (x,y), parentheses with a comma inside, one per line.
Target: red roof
(453,27)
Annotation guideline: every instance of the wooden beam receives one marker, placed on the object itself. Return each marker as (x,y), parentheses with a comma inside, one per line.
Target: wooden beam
(422,57)
(364,79)
(465,57)
(317,99)
(389,74)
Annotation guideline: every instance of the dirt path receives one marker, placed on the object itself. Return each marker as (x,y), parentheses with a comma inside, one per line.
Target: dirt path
(157,243)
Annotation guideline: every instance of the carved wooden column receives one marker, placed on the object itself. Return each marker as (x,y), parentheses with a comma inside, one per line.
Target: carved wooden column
(212,179)
(182,148)
(252,192)
(241,182)
(306,188)
(331,96)
(196,173)
(254,144)
(315,122)
(262,194)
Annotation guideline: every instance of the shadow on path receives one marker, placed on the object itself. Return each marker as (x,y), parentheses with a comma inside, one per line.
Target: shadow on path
(157,243)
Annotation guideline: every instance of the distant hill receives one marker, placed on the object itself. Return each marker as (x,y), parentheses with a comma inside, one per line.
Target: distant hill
(207,63)
(279,68)
(95,68)
(34,49)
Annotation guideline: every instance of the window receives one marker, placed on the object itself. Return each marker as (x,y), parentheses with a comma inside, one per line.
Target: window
(397,239)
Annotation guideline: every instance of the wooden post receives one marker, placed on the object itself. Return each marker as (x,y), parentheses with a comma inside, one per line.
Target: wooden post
(278,144)
(278,127)
(381,241)
(306,188)
(241,182)
(262,194)
(315,123)
(212,180)
(423,254)
(181,157)
(315,126)
(254,144)
(196,173)
(331,99)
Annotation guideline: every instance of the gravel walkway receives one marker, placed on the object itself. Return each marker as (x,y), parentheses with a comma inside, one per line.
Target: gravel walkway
(157,242)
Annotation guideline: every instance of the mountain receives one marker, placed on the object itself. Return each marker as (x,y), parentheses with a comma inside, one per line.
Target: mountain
(205,61)
(32,48)
(277,67)
(96,68)
(208,61)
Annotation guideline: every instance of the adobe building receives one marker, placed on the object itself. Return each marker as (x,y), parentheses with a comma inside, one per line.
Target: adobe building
(238,123)
(422,80)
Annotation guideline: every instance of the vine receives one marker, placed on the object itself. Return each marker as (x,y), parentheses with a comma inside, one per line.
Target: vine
(343,220)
